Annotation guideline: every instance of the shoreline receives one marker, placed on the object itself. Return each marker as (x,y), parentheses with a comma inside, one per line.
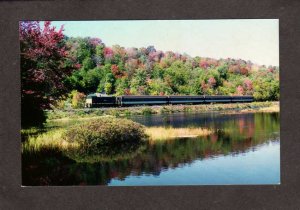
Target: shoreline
(53,137)
(236,108)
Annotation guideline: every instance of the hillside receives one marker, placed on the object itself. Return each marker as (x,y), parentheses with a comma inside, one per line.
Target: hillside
(57,70)
(147,71)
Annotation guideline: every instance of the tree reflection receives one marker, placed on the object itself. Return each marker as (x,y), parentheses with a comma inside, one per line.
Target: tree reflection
(238,135)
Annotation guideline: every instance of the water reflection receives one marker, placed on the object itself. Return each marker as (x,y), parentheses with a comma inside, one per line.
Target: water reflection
(211,119)
(234,135)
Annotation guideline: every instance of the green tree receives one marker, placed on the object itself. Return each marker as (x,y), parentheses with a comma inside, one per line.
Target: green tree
(122,86)
(178,75)
(159,87)
(223,71)
(138,83)
(88,64)
(109,83)
(108,88)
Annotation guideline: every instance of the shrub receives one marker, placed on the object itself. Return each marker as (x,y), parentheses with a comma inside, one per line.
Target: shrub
(97,136)
(114,112)
(147,111)
(81,113)
(127,112)
(98,112)
(187,109)
(165,109)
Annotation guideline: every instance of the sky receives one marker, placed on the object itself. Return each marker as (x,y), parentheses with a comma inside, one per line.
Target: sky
(256,40)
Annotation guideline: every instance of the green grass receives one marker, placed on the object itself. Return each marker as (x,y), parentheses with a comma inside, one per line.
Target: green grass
(30,131)
(97,134)
(52,139)
(41,138)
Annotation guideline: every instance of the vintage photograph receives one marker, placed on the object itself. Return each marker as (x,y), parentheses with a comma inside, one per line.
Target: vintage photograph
(150,102)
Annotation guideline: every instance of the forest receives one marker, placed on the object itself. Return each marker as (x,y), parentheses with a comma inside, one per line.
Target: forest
(59,71)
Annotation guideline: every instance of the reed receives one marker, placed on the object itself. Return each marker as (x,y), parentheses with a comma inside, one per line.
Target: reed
(49,140)
(163,133)
(273,108)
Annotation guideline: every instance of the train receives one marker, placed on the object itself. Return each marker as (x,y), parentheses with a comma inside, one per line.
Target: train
(101,100)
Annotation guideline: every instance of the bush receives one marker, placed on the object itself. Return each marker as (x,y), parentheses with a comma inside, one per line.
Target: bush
(96,136)
(127,113)
(187,109)
(165,109)
(147,111)
(114,112)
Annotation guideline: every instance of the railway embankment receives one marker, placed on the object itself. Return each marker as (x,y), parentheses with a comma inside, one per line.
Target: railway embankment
(88,113)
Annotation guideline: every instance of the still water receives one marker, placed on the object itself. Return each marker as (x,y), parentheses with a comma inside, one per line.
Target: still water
(243,149)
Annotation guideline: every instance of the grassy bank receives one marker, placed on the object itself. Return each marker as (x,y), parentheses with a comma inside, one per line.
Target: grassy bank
(148,110)
(56,138)
(52,139)
(52,135)
(91,136)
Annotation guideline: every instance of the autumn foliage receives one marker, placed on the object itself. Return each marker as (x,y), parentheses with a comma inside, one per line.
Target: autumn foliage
(44,66)
(53,65)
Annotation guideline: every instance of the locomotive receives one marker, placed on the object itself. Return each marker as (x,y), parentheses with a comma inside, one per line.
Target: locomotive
(102,100)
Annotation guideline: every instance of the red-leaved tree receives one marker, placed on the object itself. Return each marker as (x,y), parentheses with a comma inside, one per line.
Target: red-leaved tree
(116,71)
(44,66)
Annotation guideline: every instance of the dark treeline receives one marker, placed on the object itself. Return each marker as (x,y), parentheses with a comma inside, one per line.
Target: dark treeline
(58,70)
